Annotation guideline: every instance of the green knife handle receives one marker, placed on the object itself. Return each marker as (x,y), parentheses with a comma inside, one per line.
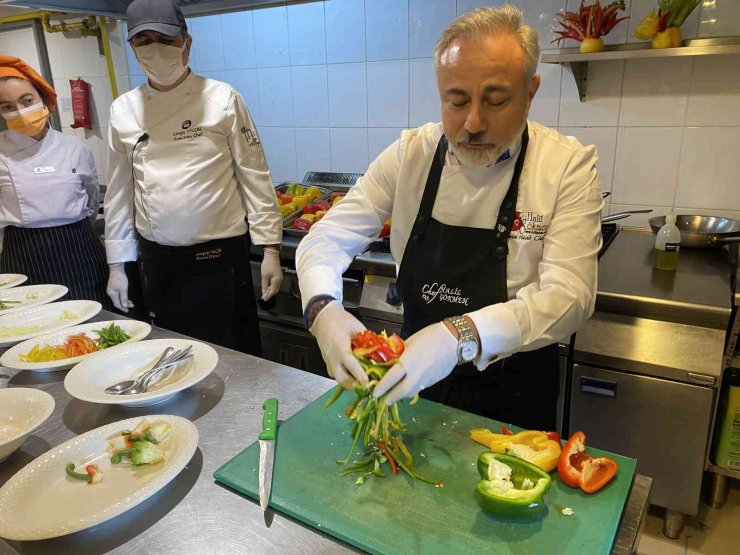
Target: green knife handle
(269,419)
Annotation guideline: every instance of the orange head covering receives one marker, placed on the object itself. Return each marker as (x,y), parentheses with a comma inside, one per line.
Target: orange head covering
(15,67)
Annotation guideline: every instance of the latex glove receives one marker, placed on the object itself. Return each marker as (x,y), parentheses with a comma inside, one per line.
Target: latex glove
(430,356)
(334,328)
(118,287)
(272,273)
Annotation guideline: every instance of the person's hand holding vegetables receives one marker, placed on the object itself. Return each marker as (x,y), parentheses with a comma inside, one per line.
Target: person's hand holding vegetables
(334,329)
(430,355)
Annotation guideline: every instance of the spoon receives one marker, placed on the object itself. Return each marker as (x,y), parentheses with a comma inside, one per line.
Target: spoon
(122,386)
(143,387)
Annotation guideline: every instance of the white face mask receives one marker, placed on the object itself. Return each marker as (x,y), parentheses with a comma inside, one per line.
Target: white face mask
(162,63)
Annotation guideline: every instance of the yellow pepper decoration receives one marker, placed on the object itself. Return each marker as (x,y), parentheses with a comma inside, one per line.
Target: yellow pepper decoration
(530,445)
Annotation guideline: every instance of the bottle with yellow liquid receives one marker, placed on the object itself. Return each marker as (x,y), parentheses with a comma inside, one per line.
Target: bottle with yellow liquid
(667,245)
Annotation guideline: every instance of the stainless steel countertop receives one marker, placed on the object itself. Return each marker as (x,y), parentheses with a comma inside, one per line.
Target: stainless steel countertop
(193,514)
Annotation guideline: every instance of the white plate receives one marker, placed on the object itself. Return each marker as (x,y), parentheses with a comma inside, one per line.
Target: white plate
(43,294)
(41,502)
(10,359)
(45,319)
(22,410)
(88,380)
(11,280)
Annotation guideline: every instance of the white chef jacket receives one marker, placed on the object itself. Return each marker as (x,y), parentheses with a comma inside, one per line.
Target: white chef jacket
(199,174)
(551,265)
(46,183)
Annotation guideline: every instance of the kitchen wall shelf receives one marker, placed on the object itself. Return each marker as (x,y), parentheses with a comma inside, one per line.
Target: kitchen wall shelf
(577,63)
(723,471)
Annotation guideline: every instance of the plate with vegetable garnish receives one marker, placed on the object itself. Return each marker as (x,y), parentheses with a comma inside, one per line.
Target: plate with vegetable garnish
(95,477)
(38,320)
(89,380)
(19,298)
(11,280)
(61,350)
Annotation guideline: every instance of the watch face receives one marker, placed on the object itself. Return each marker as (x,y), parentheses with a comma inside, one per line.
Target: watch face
(468,350)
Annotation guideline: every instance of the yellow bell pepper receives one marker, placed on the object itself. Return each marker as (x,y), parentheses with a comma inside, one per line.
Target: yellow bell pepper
(530,445)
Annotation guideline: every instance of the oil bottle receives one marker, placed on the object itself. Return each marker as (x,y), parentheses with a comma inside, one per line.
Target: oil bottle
(667,245)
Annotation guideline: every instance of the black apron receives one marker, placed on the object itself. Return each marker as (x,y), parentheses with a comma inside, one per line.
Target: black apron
(471,263)
(204,291)
(69,255)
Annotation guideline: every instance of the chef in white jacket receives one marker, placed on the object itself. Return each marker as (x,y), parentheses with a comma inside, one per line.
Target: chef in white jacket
(48,191)
(186,168)
(495,233)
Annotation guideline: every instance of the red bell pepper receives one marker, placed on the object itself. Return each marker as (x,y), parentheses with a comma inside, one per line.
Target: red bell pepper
(506,431)
(310,209)
(383,349)
(553,436)
(321,204)
(577,468)
(301,224)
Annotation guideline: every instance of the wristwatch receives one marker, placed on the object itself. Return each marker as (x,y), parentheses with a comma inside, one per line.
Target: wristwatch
(467,345)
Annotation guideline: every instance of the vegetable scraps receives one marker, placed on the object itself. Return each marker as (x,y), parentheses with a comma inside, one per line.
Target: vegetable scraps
(577,468)
(510,487)
(77,345)
(92,475)
(378,425)
(664,27)
(589,24)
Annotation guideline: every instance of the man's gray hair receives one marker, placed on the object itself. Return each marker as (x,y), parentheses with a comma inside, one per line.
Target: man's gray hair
(505,19)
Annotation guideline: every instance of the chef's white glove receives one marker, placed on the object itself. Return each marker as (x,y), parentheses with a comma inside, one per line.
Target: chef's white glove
(272,273)
(334,328)
(430,356)
(118,287)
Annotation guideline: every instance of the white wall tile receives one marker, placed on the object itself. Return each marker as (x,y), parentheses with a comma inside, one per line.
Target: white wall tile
(424,106)
(246,81)
(426,22)
(345,30)
(540,14)
(388,94)
(715,91)
(117,46)
(136,80)
(307,33)
(655,92)
(601,108)
(605,139)
(545,106)
(218,75)
(639,220)
(101,98)
(313,148)
(467,5)
(238,39)
(719,18)
(208,42)
(276,102)
(378,139)
(54,51)
(64,96)
(271,36)
(708,176)
(347,95)
(646,166)
(348,150)
(279,146)
(310,96)
(387,29)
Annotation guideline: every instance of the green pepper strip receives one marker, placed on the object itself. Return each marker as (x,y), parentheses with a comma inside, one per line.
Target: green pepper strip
(336,395)
(406,453)
(118,455)
(360,422)
(414,474)
(76,475)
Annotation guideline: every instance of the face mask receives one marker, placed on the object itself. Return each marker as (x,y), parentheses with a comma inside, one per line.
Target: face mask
(29,121)
(161,63)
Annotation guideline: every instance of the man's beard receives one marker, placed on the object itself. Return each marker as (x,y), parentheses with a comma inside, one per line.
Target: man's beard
(479,156)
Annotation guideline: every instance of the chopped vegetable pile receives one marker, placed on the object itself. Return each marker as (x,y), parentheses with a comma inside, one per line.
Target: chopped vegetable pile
(77,345)
(378,425)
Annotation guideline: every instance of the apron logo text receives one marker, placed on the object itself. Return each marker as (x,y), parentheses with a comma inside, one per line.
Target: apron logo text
(528,226)
(208,255)
(445,294)
(187,134)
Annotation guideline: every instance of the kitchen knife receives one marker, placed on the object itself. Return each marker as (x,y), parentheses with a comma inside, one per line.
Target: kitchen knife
(267,449)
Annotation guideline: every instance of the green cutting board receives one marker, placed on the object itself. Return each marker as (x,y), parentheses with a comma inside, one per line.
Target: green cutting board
(399,515)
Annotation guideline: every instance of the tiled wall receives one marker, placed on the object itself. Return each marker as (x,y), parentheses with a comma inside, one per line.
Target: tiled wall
(332,83)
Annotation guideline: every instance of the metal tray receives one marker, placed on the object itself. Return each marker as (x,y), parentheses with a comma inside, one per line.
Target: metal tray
(284,187)
(287,222)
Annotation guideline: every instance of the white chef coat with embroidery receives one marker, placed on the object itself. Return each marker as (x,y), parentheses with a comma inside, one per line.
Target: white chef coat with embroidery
(551,266)
(46,183)
(201,171)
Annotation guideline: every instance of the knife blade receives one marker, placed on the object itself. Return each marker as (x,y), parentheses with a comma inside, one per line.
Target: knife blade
(267,449)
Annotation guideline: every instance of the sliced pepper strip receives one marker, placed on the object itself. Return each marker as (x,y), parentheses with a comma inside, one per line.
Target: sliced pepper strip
(577,468)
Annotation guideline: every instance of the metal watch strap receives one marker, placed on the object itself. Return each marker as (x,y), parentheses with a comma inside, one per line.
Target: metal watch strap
(465,334)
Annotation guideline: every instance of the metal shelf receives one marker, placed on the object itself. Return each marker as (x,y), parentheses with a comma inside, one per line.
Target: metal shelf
(577,63)
(722,471)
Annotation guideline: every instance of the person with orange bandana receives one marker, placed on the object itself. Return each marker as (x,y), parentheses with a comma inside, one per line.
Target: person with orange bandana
(48,191)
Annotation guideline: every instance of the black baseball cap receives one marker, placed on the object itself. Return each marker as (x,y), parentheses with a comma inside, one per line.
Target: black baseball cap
(162,16)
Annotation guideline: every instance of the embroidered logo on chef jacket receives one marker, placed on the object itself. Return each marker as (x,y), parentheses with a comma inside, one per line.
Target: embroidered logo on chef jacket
(188,132)
(45,169)
(250,135)
(186,124)
(528,226)
(443,294)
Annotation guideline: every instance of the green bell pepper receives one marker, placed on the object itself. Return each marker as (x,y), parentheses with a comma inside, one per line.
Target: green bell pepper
(511,487)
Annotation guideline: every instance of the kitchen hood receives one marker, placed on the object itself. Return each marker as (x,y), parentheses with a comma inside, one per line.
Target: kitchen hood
(117,8)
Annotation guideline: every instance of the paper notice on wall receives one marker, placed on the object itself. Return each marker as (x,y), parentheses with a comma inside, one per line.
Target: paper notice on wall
(66,104)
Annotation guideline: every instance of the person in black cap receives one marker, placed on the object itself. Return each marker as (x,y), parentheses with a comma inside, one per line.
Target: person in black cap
(187,173)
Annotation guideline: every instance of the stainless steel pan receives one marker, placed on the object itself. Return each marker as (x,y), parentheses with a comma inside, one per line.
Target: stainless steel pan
(702,232)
